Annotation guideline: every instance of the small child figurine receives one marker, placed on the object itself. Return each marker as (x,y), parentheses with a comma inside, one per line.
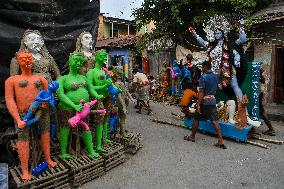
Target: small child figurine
(112,89)
(43,96)
(78,119)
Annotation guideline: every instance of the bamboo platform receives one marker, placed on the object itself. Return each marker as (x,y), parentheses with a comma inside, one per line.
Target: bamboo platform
(56,177)
(114,156)
(83,169)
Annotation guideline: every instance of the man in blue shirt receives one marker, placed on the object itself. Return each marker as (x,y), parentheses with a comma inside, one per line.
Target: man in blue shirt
(206,105)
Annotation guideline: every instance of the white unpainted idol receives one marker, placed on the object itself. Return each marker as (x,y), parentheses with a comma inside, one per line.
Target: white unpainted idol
(34,42)
(87,41)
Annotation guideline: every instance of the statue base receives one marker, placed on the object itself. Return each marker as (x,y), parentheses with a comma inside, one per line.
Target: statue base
(56,177)
(83,169)
(228,130)
(114,156)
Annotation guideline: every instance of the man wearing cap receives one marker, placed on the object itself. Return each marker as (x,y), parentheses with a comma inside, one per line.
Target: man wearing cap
(206,105)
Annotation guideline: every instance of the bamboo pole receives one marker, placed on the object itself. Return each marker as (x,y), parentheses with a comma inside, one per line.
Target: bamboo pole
(267,139)
(178,115)
(169,123)
(257,144)
(183,126)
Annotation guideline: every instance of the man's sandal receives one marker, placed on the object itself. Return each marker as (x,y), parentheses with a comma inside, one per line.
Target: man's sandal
(269,133)
(222,146)
(188,138)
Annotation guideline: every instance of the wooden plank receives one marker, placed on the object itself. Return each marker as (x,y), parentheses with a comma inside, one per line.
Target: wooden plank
(33,177)
(66,162)
(65,186)
(85,159)
(115,163)
(15,177)
(95,166)
(71,163)
(61,166)
(87,179)
(89,166)
(52,170)
(85,155)
(110,159)
(90,173)
(59,182)
(93,175)
(78,162)
(18,171)
(92,168)
(118,159)
(49,180)
(112,151)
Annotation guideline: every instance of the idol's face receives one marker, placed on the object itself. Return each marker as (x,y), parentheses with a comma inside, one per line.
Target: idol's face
(25,60)
(76,61)
(87,41)
(34,42)
(102,59)
(218,34)
(53,86)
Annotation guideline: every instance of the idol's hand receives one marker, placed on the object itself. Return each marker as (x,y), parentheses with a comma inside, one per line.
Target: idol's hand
(78,108)
(191,30)
(99,97)
(237,63)
(21,124)
(108,82)
(242,22)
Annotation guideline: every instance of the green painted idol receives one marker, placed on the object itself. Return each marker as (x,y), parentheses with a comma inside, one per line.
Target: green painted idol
(73,88)
(97,79)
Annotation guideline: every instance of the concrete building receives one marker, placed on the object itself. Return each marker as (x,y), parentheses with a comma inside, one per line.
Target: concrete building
(118,37)
(268,48)
(114,27)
